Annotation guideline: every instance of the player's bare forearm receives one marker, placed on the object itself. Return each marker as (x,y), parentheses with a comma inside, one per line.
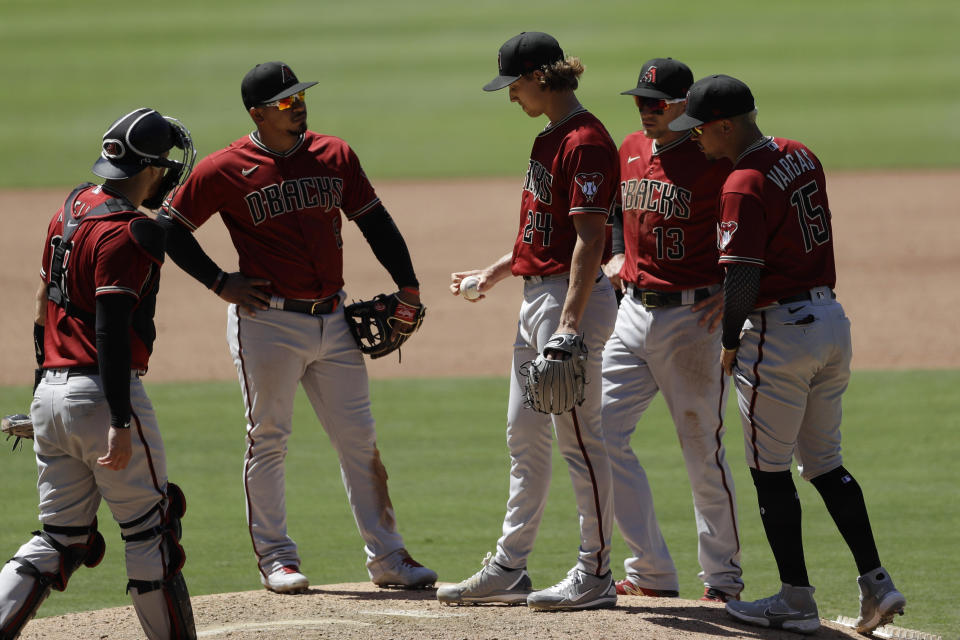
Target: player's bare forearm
(584,267)
(40,305)
(489,276)
(612,270)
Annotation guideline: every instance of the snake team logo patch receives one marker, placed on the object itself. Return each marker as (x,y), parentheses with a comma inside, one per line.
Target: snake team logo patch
(589,184)
(650,76)
(725,231)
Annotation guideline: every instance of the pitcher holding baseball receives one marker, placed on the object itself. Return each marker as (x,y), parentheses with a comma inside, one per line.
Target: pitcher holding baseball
(568,304)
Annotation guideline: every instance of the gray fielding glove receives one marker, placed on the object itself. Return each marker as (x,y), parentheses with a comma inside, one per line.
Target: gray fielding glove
(556,386)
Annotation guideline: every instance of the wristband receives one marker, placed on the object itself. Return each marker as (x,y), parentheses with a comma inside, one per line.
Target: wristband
(220,283)
(411,290)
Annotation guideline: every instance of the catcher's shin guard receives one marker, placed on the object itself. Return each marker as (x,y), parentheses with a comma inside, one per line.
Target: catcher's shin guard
(88,553)
(163,606)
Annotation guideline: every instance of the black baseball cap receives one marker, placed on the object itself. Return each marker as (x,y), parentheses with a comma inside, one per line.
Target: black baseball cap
(663,78)
(270,81)
(134,142)
(714,98)
(523,53)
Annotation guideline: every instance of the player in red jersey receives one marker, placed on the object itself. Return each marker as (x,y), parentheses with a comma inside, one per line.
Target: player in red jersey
(786,340)
(280,192)
(569,188)
(663,343)
(100,270)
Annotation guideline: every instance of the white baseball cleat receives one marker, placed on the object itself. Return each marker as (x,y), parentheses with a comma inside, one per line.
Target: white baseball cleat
(879,600)
(493,583)
(579,590)
(286,579)
(398,569)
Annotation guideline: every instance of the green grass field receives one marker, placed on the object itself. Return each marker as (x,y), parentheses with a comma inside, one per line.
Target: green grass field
(448,480)
(865,83)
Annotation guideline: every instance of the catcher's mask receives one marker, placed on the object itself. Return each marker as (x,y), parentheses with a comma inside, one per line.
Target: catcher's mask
(139,140)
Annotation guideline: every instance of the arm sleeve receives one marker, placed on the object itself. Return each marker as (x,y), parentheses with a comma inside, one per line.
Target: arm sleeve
(388,245)
(184,250)
(740,288)
(114,314)
(616,221)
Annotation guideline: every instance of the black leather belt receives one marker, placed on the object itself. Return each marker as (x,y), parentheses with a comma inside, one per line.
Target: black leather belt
(803,297)
(653,299)
(312,307)
(88,370)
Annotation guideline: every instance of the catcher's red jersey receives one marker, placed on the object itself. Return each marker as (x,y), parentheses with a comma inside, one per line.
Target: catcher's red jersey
(775,215)
(573,170)
(669,196)
(105,260)
(282,210)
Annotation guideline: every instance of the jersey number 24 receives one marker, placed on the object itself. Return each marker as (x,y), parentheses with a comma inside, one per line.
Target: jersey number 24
(538,221)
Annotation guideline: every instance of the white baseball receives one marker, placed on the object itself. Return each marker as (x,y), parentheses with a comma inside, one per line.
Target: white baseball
(469,287)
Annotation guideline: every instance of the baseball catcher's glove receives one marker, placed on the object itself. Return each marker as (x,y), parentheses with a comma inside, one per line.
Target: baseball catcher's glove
(556,386)
(371,322)
(19,425)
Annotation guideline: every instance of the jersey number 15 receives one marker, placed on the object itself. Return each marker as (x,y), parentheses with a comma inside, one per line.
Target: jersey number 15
(814,219)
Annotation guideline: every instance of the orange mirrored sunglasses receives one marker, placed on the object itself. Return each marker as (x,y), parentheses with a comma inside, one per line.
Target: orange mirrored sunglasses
(285,103)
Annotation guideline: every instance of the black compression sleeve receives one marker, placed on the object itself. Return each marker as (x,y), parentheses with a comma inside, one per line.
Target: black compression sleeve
(388,246)
(114,313)
(184,250)
(740,288)
(616,219)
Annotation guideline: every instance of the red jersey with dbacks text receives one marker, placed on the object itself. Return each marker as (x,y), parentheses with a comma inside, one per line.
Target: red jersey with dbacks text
(775,215)
(105,260)
(573,170)
(282,209)
(669,196)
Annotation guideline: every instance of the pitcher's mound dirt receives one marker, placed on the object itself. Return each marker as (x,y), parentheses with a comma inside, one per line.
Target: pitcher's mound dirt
(364,611)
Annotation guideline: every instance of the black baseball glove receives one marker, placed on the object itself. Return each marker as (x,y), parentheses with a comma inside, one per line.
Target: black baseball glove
(372,323)
(556,386)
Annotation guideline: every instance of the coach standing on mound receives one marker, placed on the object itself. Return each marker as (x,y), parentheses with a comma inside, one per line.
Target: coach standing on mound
(280,192)
(570,186)
(786,341)
(95,431)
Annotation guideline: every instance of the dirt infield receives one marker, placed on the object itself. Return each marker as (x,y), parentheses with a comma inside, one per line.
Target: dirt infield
(896,257)
(362,611)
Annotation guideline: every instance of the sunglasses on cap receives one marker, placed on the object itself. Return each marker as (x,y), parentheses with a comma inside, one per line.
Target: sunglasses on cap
(285,103)
(654,105)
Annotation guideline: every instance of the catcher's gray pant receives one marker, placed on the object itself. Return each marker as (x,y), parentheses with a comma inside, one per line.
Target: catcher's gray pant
(579,435)
(274,351)
(792,368)
(666,350)
(71,420)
